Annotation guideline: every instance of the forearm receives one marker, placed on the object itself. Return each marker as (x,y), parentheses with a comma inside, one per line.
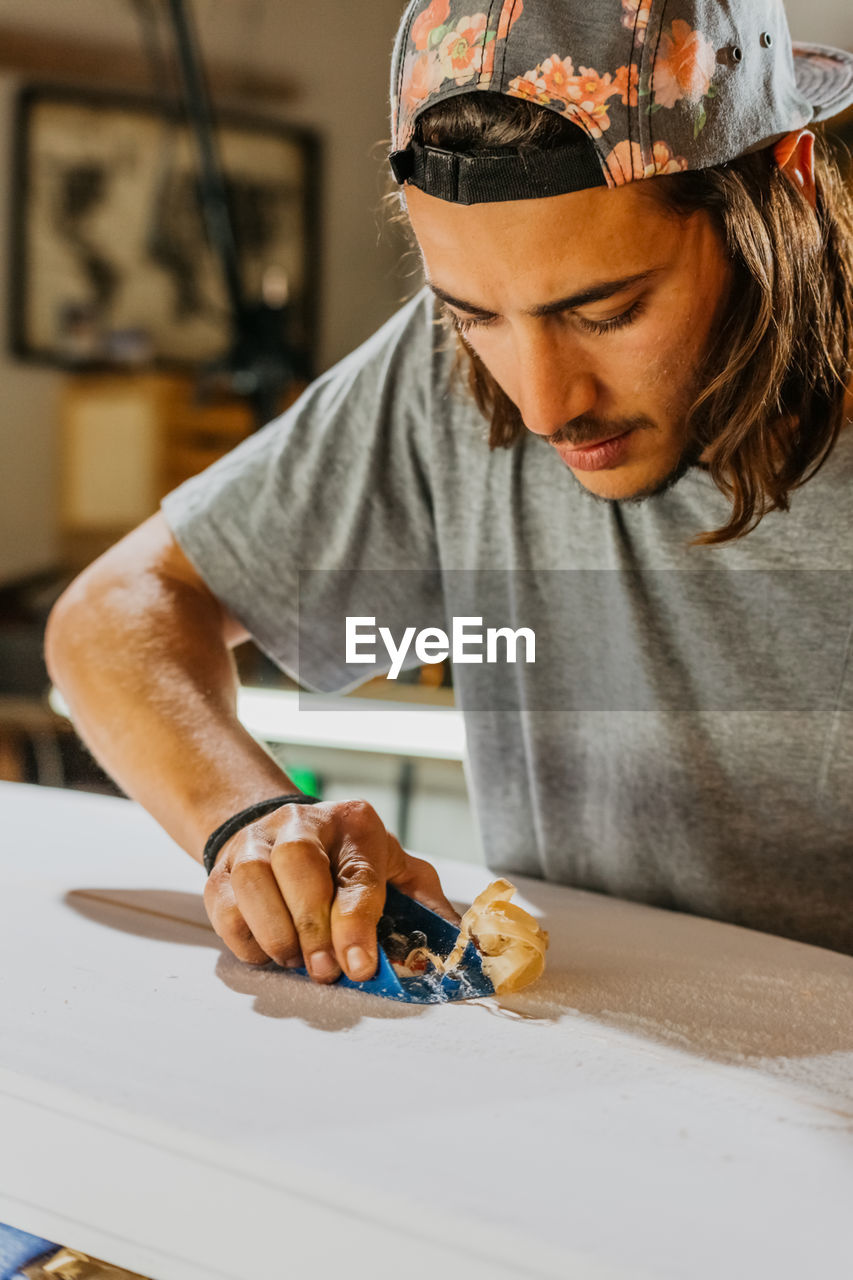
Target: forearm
(151,684)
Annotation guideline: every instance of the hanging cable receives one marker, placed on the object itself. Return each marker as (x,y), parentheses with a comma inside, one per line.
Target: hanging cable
(214,194)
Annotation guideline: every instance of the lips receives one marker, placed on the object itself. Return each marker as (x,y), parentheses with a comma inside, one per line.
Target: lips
(600,456)
(596,444)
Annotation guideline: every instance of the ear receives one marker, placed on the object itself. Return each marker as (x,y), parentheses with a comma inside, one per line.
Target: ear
(794,154)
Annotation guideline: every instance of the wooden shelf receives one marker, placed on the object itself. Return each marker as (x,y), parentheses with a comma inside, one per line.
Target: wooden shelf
(126,441)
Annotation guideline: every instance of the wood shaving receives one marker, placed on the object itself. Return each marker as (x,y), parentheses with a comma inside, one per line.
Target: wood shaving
(509,940)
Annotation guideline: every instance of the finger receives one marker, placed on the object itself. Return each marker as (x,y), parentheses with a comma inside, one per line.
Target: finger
(228,923)
(419,879)
(262,907)
(304,880)
(358,862)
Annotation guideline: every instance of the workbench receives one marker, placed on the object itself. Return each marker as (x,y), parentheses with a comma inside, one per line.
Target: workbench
(674,1098)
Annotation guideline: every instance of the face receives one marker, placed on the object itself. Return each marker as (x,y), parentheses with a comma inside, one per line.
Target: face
(593,312)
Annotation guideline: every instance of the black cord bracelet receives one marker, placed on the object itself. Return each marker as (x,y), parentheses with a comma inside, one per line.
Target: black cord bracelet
(222,834)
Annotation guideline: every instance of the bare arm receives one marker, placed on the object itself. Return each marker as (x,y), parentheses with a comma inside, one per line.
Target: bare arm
(140,648)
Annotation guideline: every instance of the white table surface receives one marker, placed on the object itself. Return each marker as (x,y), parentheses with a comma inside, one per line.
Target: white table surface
(677,1100)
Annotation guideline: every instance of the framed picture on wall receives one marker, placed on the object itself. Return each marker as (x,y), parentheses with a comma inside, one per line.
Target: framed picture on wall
(111,261)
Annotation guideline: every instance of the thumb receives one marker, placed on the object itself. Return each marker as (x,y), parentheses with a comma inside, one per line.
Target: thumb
(419,879)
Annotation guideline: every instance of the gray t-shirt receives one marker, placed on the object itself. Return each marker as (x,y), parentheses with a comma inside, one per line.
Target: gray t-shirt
(685,737)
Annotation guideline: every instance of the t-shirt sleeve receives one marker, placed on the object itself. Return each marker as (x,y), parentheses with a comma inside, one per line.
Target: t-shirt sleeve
(327,512)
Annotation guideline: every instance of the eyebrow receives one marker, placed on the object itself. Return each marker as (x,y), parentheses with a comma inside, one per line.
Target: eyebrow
(595,293)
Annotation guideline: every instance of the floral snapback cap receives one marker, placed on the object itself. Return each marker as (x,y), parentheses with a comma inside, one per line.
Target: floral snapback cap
(655,86)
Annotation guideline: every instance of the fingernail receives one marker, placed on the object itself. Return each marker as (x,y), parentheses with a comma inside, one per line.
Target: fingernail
(359,963)
(323,965)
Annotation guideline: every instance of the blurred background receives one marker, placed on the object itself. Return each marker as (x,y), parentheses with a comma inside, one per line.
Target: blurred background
(121,370)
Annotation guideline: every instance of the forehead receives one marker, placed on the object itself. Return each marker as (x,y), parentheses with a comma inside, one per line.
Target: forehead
(547,241)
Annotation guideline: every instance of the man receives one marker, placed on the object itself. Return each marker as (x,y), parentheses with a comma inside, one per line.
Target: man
(620,211)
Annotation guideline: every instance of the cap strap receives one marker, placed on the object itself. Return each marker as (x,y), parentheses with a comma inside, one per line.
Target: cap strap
(485,177)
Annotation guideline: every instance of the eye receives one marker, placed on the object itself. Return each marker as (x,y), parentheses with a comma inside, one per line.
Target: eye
(464,324)
(603,327)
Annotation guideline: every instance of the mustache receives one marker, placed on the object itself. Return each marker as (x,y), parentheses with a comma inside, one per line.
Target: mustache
(587,430)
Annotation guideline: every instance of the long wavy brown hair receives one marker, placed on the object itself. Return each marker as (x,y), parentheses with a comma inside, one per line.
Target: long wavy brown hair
(776,376)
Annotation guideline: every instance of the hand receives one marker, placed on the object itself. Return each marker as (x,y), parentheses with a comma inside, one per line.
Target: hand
(309,881)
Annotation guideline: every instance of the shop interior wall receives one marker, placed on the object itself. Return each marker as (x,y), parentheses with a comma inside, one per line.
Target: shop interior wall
(335,53)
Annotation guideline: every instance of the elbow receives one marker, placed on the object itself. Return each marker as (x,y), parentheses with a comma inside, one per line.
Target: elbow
(64,625)
(76,623)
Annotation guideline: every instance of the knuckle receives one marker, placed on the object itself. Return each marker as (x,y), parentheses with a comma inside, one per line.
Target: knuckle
(311,928)
(219,872)
(359,880)
(251,954)
(249,873)
(211,894)
(294,821)
(303,858)
(233,930)
(359,818)
(233,849)
(310,910)
(283,950)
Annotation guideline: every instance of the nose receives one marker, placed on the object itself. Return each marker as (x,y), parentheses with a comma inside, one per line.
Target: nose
(552,386)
